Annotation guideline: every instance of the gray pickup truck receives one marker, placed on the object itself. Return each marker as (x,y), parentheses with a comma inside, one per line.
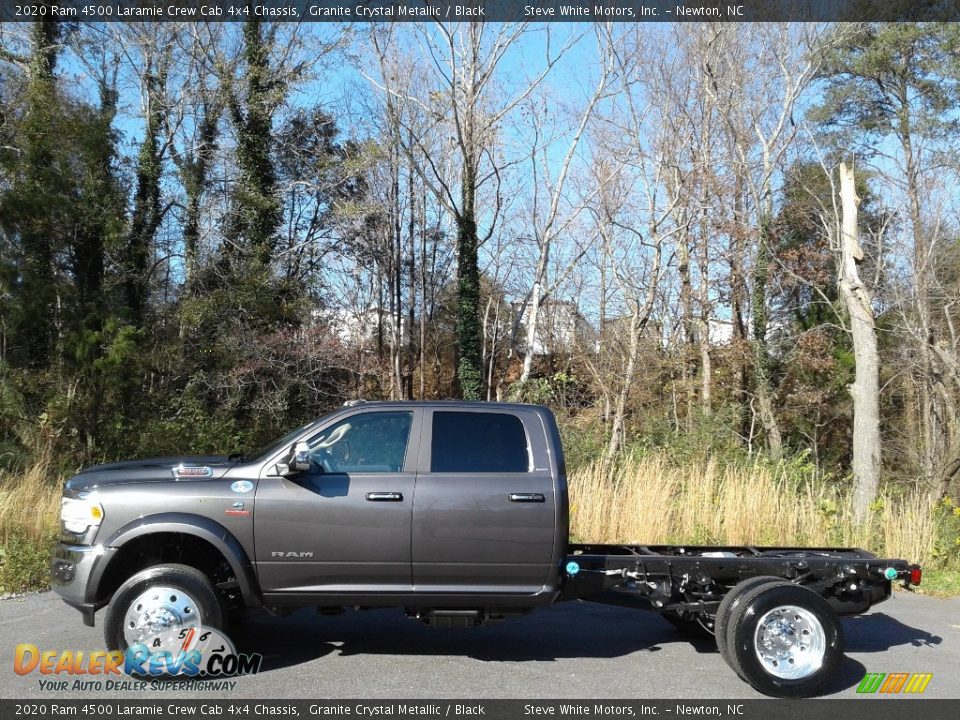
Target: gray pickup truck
(456,512)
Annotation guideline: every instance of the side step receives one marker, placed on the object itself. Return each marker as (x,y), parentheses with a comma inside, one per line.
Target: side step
(448,618)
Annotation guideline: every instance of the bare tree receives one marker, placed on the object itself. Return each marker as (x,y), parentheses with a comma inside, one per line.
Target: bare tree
(638,214)
(865,389)
(466,100)
(550,219)
(756,86)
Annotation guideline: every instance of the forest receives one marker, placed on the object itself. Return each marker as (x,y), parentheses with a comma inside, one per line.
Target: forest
(727,256)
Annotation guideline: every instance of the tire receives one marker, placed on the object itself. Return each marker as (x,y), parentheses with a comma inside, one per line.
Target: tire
(785,640)
(730,601)
(691,627)
(172,595)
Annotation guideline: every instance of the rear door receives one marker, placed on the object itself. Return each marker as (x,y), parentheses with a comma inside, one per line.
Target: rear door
(485,511)
(344,526)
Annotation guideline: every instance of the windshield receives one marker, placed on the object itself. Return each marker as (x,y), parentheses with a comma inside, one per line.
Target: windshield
(264,452)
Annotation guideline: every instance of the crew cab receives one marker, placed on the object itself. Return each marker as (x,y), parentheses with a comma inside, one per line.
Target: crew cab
(456,512)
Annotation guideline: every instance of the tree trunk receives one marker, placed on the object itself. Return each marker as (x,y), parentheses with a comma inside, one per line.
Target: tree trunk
(423,297)
(469,371)
(37,328)
(411,283)
(761,357)
(617,426)
(532,312)
(194,173)
(865,388)
(147,213)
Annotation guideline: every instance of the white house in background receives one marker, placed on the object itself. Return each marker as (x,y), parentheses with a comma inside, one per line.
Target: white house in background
(561,328)
(720,331)
(358,328)
(618,329)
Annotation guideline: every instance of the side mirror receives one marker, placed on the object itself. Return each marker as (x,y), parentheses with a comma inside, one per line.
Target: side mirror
(297,461)
(301,457)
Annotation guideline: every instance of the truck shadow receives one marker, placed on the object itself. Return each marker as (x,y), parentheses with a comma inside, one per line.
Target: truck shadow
(569,630)
(565,631)
(878,631)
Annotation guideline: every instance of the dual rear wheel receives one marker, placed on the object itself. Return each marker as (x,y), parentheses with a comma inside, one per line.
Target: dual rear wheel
(783,639)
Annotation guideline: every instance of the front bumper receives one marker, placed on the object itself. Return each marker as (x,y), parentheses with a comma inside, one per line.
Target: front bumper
(75,572)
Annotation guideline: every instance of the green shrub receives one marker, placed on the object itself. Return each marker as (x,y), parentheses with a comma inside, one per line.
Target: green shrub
(947,519)
(26,563)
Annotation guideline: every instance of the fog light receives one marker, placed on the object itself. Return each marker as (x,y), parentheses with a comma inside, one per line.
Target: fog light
(64,572)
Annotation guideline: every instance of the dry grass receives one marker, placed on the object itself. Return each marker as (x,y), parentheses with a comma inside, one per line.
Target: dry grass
(651,501)
(29,503)
(643,501)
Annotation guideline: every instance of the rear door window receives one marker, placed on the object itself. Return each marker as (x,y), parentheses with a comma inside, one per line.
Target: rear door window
(478,442)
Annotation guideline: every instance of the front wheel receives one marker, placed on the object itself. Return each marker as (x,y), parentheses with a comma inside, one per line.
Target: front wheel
(785,640)
(160,599)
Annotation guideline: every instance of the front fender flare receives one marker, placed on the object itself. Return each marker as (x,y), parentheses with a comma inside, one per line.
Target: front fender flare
(200,527)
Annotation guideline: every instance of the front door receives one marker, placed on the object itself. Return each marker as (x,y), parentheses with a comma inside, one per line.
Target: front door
(343,526)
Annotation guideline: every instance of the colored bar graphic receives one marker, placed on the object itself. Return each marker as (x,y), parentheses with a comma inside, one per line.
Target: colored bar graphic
(870,683)
(918,682)
(893,683)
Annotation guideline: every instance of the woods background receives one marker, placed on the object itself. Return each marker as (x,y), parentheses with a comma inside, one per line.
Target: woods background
(210,233)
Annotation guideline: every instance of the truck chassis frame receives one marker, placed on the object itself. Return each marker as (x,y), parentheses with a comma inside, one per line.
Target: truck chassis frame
(691,581)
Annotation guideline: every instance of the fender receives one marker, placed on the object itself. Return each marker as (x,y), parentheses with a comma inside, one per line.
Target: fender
(200,527)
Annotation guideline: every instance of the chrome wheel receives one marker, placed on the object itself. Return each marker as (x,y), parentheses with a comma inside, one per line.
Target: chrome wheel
(790,642)
(157,610)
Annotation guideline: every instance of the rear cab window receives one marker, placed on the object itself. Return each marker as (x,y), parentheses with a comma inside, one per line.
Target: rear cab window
(478,442)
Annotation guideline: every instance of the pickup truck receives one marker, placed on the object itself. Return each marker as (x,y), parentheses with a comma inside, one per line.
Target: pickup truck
(456,512)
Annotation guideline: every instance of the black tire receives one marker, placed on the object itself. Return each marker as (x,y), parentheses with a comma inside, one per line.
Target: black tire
(689,626)
(742,650)
(189,580)
(731,600)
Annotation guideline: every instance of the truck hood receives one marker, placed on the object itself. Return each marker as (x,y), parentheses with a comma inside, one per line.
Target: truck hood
(150,470)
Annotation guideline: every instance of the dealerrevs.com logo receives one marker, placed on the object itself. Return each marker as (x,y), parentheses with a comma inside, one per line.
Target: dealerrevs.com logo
(191,653)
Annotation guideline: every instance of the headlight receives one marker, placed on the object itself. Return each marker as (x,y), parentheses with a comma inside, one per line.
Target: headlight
(77,516)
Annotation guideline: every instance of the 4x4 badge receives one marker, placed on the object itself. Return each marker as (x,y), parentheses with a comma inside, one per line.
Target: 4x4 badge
(237,509)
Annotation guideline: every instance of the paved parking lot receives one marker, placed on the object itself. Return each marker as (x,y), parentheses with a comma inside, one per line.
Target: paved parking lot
(572,650)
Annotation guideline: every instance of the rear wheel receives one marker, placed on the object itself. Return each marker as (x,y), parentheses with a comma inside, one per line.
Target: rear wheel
(731,601)
(159,599)
(785,640)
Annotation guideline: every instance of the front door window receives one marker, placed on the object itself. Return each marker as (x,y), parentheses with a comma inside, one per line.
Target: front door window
(373,442)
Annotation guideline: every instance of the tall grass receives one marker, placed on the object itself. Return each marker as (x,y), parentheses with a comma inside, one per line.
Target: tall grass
(30,501)
(650,500)
(29,512)
(644,500)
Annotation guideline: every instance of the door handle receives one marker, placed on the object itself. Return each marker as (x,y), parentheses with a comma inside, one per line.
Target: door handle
(384,496)
(527,497)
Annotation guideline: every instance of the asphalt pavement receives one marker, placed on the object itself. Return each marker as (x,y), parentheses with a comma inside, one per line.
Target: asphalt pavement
(572,650)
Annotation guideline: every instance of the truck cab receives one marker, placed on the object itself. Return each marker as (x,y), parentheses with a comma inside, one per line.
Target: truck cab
(414,502)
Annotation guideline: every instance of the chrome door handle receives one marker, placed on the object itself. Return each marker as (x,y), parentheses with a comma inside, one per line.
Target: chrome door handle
(384,496)
(527,497)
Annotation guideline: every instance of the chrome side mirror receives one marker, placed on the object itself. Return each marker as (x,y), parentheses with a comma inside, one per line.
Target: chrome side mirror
(297,461)
(300,462)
